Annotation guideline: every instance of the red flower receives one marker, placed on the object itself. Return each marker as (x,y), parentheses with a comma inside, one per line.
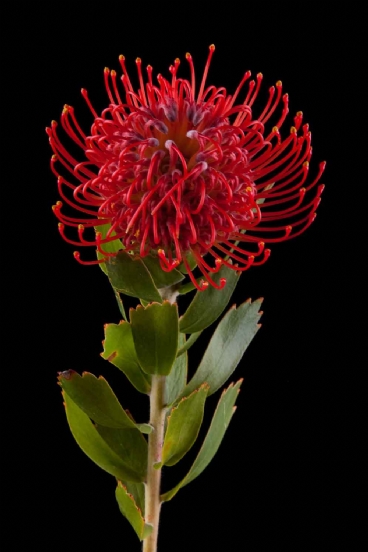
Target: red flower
(177,170)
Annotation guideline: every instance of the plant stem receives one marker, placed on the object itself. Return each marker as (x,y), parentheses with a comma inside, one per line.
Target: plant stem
(155,443)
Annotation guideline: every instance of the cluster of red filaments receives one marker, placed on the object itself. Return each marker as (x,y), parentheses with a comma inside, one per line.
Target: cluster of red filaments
(179,173)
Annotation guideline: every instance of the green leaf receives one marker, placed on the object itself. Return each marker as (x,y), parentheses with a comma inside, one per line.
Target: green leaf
(96,398)
(207,305)
(110,247)
(130,446)
(188,287)
(176,380)
(98,450)
(120,351)
(130,276)
(191,261)
(138,492)
(227,346)
(187,344)
(161,278)
(220,421)
(155,334)
(183,425)
(132,512)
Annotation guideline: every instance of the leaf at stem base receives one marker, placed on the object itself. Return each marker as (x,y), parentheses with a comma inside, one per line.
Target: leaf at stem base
(133,514)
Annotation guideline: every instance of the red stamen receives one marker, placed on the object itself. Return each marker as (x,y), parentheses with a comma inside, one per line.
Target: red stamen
(203,285)
(192,74)
(85,96)
(205,72)
(87,263)
(140,76)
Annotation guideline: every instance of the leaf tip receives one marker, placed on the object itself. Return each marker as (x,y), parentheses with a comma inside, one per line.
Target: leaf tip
(67,374)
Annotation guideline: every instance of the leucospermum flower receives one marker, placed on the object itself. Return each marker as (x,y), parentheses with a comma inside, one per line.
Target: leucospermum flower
(184,171)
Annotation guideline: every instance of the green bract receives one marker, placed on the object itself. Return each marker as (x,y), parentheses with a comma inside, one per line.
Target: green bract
(155,331)
(183,425)
(119,350)
(208,305)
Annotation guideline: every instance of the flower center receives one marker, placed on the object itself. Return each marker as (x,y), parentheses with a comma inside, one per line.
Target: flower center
(177,177)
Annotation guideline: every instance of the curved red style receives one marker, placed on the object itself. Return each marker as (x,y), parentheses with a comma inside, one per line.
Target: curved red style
(178,171)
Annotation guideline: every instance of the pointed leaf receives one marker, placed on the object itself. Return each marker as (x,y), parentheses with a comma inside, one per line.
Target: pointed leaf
(207,305)
(130,276)
(98,450)
(155,334)
(131,511)
(176,380)
(120,351)
(227,346)
(130,446)
(96,398)
(220,421)
(161,278)
(183,425)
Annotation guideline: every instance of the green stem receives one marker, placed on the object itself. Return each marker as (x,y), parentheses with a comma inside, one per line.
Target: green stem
(155,443)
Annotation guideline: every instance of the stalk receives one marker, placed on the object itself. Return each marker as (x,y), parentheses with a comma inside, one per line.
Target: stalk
(155,443)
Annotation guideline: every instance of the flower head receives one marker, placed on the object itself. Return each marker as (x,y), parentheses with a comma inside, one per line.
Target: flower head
(181,171)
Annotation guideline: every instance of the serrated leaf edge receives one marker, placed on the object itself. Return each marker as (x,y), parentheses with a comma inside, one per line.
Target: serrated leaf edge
(131,497)
(142,427)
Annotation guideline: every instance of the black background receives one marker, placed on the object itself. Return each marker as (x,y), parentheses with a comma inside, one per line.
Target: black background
(278,482)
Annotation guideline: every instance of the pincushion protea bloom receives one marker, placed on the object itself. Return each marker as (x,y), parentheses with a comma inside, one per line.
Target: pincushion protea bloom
(179,172)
